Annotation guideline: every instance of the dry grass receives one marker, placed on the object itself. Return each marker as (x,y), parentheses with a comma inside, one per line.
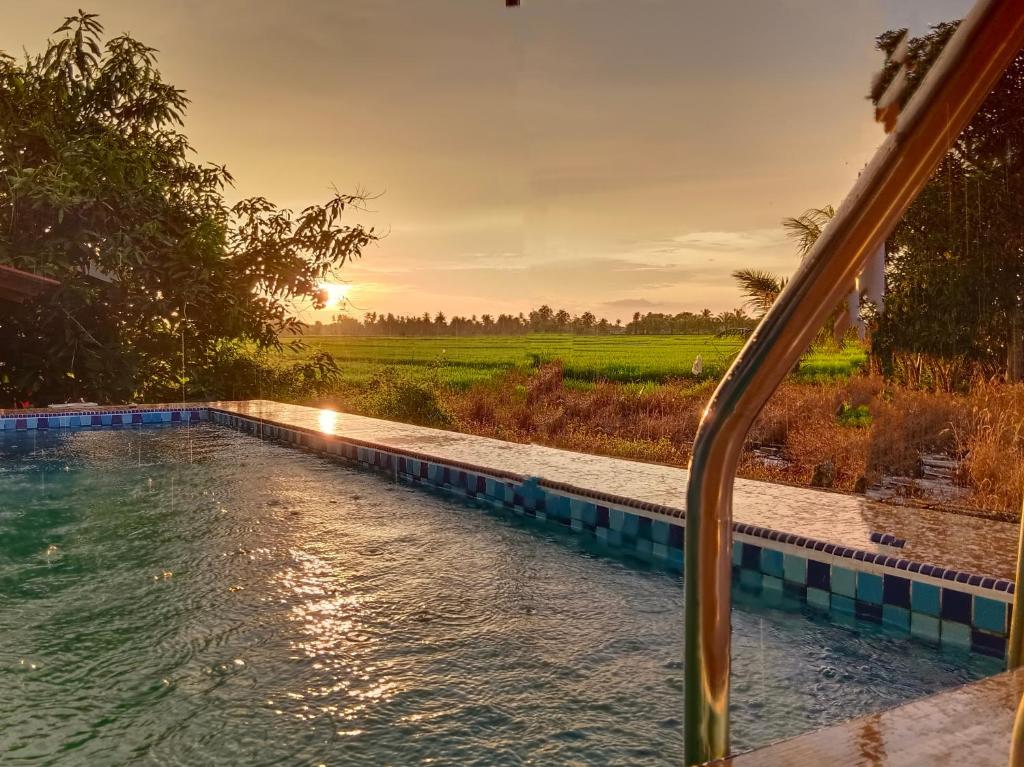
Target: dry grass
(657,422)
(989,433)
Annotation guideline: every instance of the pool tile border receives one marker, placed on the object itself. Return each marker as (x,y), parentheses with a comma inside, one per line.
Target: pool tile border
(932,604)
(99,417)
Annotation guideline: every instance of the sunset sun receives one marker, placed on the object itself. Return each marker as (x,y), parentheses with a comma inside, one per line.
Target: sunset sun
(333,293)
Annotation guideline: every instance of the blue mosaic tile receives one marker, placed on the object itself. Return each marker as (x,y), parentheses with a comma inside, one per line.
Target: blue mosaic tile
(659,550)
(988,644)
(869,612)
(602,516)
(794,568)
(737,553)
(750,579)
(989,615)
(675,557)
(843,581)
(818,575)
(955,634)
(630,524)
(796,591)
(660,531)
(869,588)
(956,606)
(771,582)
(893,615)
(676,535)
(924,626)
(532,495)
(616,519)
(750,555)
(925,598)
(896,590)
(819,598)
(772,563)
(843,604)
(560,508)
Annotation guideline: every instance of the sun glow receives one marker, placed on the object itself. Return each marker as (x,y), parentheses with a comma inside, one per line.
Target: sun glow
(328,419)
(333,293)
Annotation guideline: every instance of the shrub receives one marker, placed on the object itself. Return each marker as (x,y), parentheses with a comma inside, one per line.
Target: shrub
(397,396)
(237,371)
(855,416)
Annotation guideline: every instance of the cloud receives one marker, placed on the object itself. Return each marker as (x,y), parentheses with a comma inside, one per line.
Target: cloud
(632,303)
(749,239)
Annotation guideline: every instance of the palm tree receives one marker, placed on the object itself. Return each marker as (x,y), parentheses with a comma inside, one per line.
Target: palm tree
(759,289)
(806,228)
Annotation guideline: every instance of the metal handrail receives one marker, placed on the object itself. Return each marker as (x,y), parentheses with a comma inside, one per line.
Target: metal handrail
(964,74)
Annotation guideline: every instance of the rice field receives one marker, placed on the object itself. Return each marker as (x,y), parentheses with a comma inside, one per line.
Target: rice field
(460,362)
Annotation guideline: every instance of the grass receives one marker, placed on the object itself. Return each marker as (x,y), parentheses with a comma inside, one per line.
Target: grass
(464,362)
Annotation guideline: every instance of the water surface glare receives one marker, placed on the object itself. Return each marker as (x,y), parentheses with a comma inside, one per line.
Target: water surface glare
(192,596)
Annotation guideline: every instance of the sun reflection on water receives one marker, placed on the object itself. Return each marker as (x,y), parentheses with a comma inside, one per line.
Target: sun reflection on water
(333,635)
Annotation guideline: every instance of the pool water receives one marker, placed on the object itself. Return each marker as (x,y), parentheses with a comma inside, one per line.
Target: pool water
(193,596)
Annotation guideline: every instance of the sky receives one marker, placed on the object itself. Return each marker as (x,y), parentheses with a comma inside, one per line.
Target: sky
(605,155)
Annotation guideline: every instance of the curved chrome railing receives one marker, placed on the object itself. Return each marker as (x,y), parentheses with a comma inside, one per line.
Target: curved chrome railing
(971,64)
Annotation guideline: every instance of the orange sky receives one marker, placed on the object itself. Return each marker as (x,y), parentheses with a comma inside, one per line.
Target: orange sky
(610,155)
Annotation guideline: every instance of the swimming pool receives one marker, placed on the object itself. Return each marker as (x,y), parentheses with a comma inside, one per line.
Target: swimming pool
(192,595)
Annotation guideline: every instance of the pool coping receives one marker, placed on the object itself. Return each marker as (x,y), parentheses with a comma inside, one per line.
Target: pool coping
(971,724)
(936,604)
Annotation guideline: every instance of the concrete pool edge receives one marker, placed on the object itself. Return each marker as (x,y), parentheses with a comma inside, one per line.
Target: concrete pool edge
(971,724)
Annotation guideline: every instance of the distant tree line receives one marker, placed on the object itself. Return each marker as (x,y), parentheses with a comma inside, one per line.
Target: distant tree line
(541,320)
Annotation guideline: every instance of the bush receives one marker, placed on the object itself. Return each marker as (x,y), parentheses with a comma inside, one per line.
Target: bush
(855,416)
(396,396)
(237,371)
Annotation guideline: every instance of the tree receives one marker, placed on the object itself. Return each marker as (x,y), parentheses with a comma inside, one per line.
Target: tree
(562,320)
(96,181)
(759,289)
(806,228)
(955,269)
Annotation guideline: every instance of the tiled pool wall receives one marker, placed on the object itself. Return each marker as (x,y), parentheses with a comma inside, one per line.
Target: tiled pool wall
(935,605)
(42,420)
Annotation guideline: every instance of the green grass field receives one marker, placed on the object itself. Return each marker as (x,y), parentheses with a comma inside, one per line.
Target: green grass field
(460,362)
